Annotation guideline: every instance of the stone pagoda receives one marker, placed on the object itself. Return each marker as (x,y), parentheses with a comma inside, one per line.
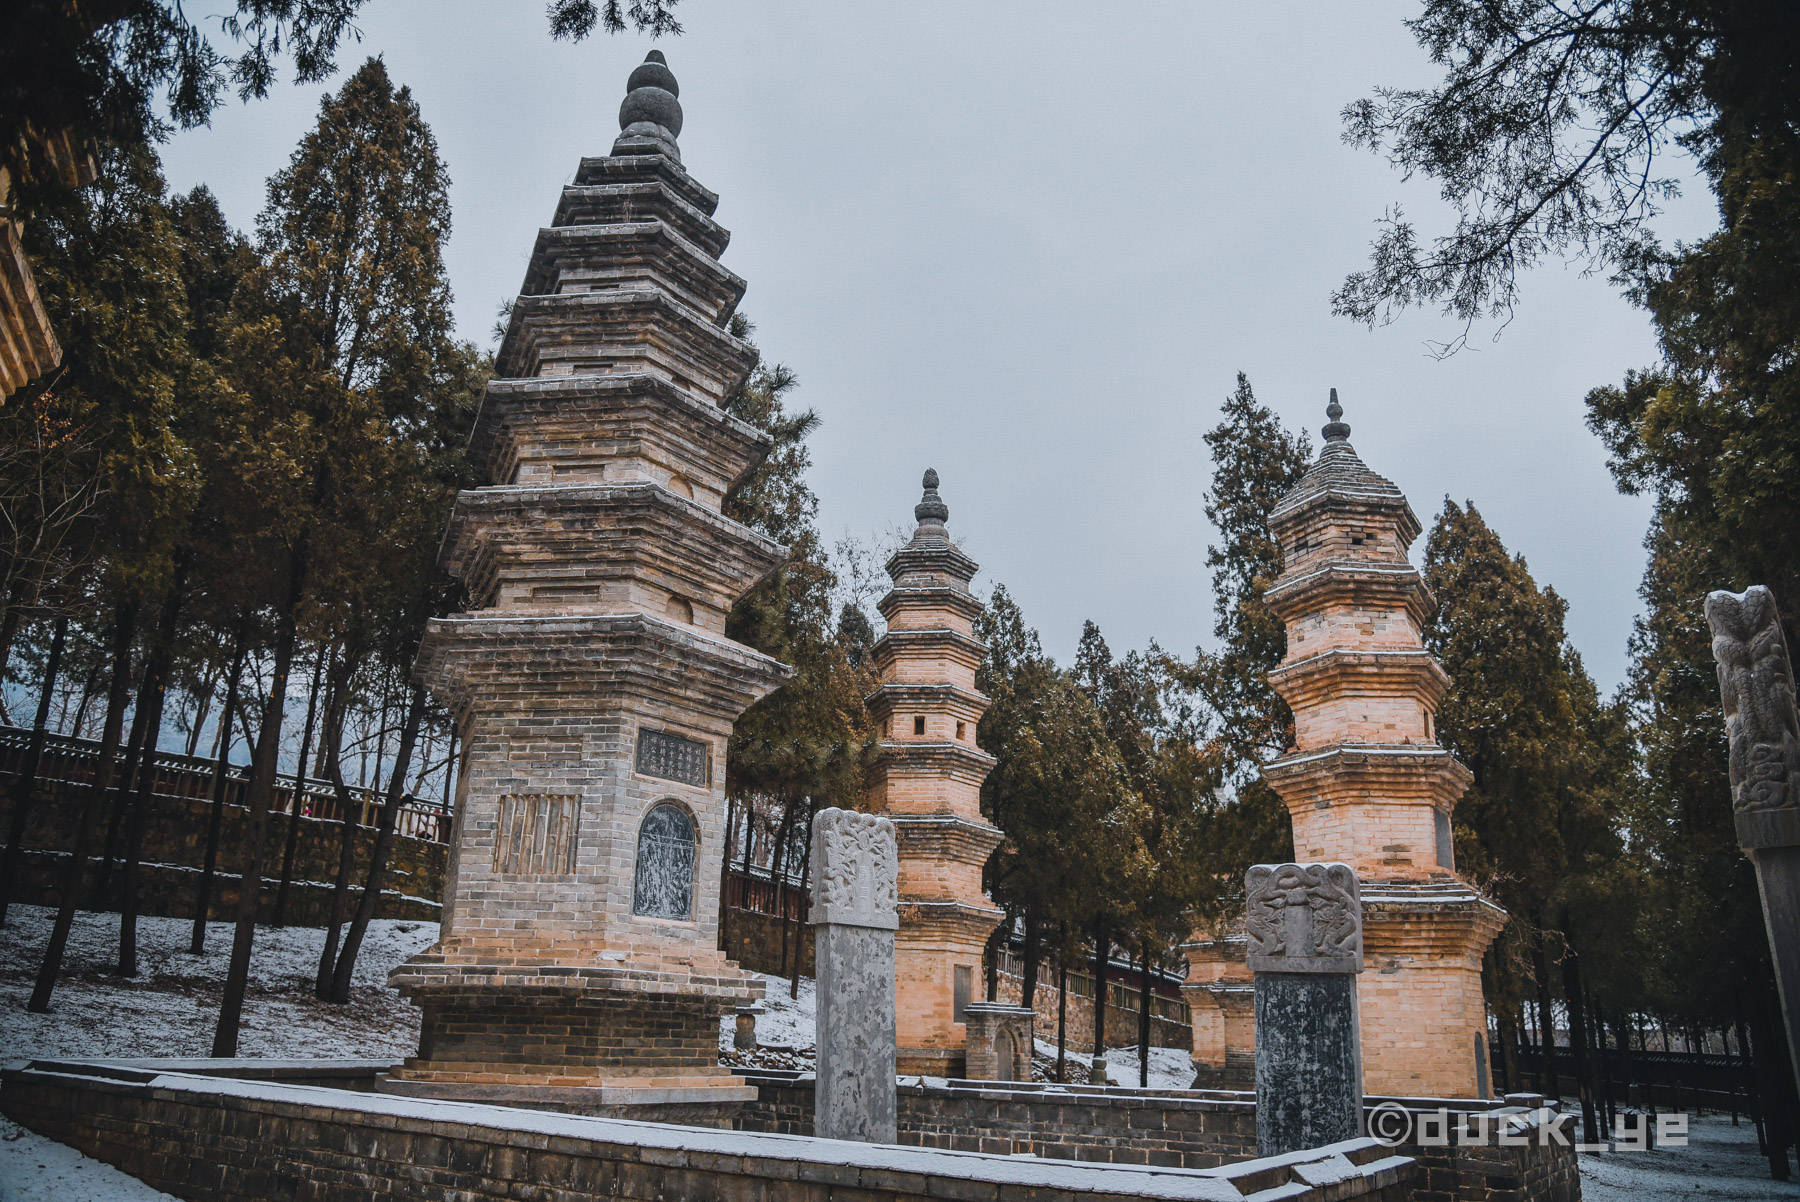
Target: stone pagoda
(1366,782)
(593,684)
(927,779)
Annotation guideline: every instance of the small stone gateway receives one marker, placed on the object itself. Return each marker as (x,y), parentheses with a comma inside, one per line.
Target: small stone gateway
(1305,928)
(856,872)
(594,687)
(999,1041)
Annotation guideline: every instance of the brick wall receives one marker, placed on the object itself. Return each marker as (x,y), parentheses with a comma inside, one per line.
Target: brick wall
(1125,1126)
(174,849)
(209,1139)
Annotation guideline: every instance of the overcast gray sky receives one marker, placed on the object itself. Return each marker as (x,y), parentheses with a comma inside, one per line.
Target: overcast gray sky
(1030,244)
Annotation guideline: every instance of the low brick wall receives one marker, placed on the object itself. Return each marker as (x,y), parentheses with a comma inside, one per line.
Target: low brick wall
(174,849)
(1191,1129)
(207,1138)
(1111,1126)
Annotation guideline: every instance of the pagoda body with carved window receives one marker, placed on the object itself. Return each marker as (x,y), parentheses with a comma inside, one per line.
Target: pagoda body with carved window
(593,684)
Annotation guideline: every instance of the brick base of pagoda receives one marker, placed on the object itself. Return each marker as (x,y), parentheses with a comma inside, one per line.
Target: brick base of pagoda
(932,940)
(573,1039)
(1424,1023)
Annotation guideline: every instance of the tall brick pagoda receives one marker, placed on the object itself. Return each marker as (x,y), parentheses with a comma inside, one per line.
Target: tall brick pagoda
(593,684)
(1367,782)
(927,779)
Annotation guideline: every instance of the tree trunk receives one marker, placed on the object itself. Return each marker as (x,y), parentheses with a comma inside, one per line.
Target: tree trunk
(1062,1005)
(778,876)
(724,940)
(152,693)
(990,961)
(1578,1037)
(124,622)
(800,927)
(26,785)
(337,703)
(1770,1040)
(384,842)
(1101,946)
(1028,971)
(215,819)
(1144,1023)
(1546,1015)
(297,800)
(203,696)
(262,784)
(121,802)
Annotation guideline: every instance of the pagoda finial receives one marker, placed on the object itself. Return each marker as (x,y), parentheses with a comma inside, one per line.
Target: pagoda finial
(931,510)
(651,111)
(1335,430)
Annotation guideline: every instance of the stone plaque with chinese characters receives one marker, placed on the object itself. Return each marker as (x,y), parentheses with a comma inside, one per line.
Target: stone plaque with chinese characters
(671,757)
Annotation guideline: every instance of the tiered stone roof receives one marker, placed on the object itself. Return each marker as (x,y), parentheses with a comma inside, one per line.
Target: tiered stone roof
(927,778)
(1367,782)
(592,676)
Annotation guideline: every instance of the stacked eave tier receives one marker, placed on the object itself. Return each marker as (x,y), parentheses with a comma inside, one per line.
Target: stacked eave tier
(1370,774)
(648,254)
(1351,584)
(1340,486)
(585,663)
(623,331)
(622,189)
(602,548)
(614,428)
(1362,696)
(1428,920)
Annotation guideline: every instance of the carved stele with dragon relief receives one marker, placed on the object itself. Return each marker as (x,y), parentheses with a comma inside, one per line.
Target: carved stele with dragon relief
(1303,918)
(856,863)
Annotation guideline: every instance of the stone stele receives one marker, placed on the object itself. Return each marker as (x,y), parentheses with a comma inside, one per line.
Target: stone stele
(1756,686)
(856,869)
(1305,928)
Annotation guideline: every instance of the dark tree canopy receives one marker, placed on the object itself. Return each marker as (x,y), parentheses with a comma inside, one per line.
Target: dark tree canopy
(1548,133)
(123,70)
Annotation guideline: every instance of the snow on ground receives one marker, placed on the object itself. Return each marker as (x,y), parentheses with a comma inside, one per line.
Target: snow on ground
(35,1169)
(171,1007)
(1720,1161)
(1170,1068)
(786,1030)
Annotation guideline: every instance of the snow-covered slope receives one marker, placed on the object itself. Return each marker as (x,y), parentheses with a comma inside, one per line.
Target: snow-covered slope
(171,1007)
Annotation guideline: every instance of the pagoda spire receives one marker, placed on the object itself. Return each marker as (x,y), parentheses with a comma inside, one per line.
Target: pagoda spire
(650,115)
(1336,429)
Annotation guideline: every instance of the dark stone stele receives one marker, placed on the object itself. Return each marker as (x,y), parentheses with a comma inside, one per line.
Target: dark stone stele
(1308,1061)
(1304,922)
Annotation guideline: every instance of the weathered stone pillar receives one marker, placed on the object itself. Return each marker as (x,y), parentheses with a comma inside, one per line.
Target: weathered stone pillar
(999,1047)
(856,870)
(1305,927)
(1756,684)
